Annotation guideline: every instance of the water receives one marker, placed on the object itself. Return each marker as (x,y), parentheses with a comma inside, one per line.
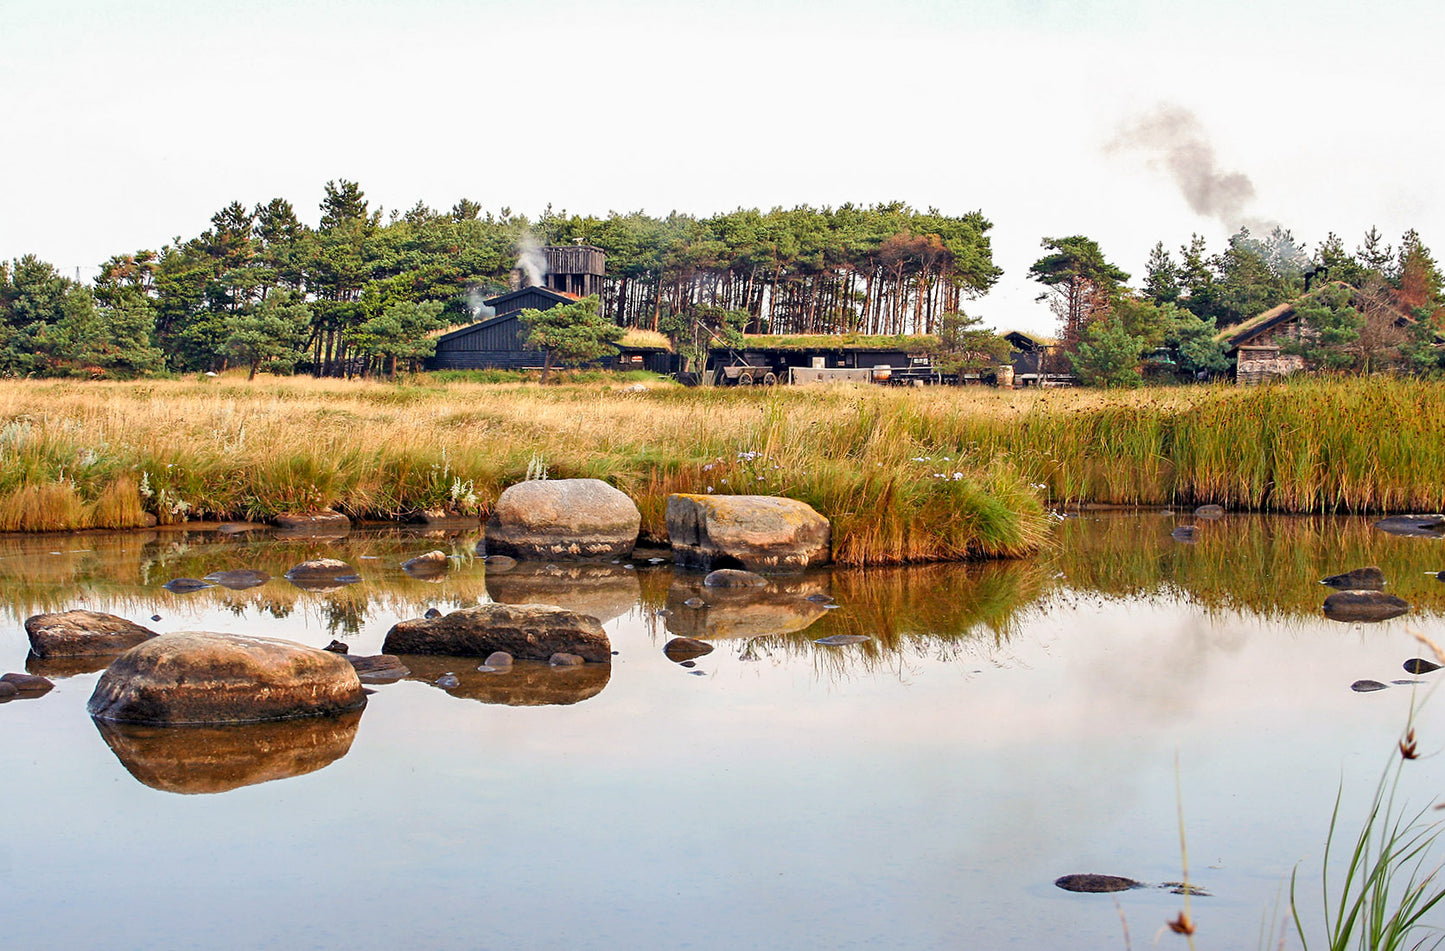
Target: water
(1005,724)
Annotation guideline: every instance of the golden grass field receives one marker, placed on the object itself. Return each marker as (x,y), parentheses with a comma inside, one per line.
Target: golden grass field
(905,475)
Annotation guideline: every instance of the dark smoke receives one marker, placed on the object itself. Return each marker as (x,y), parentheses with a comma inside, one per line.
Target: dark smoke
(1174,139)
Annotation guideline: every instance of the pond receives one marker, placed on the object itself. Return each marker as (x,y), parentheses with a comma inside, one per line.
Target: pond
(1002,725)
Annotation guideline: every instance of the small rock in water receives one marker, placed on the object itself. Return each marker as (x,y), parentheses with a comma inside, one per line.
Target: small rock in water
(498,660)
(839,640)
(484,669)
(1418,665)
(734,578)
(155,617)
(432,563)
(378,668)
(432,613)
(680,649)
(1366,686)
(1089,882)
(238,580)
(184,585)
(1358,579)
(1186,888)
(818,598)
(695,603)
(698,673)
(497,564)
(1364,606)
(688,664)
(1185,533)
(28,684)
(1406,683)
(447,681)
(664,612)
(1209,511)
(563,659)
(1427,526)
(1440,576)
(336,647)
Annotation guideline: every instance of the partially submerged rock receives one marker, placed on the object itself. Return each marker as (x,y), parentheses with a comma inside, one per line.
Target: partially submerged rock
(238,580)
(734,578)
(430,565)
(1089,882)
(214,759)
(563,519)
(1421,526)
(319,574)
(82,633)
(378,668)
(565,659)
(1366,686)
(185,585)
(1364,606)
(755,532)
(201,677)
(28,685)
(323,522)
(1369,578)
(1418,665)
(526,631)
(682,649)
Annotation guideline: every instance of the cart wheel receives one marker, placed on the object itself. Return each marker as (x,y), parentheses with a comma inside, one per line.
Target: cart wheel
(745,379)
(770,379)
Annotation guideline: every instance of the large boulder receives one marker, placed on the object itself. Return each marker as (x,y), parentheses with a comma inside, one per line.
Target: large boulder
(200,677)
(526,631)
(1364,606)
(756,532)
(563,520)
(82,634)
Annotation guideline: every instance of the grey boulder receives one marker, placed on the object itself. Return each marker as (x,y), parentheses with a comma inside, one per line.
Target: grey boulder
(755,532)
(563,520)
(82,633)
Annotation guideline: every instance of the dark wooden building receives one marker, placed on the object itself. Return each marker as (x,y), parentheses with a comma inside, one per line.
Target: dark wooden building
(575,269)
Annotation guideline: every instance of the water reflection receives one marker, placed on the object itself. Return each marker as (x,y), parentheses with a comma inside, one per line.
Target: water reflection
(524,684)
(206,759)
(604,591)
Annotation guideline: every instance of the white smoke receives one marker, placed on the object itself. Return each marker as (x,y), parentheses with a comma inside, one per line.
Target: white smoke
(1174,138)
(531,260)
(476,305)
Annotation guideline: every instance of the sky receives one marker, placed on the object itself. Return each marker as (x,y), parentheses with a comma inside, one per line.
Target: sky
(1133,121)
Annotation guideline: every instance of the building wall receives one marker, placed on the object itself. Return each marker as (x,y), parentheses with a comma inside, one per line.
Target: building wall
(1257,366)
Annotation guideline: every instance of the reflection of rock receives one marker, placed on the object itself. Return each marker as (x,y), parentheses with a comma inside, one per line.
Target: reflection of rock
(1426,526)
(378,668)
(1209,511)
(185,585)
(1364,606)
(62,667)
(757,532)
(526,631)
(238,580)
(200,677)
(28,685)
(1185,533)
(603,591)
(526,684)
(78,633)
(560,519)
(739,612)
(213,759)
(734,578)
(1358,579)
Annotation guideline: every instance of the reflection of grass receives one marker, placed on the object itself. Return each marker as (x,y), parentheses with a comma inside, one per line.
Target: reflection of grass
(1265,565)
(1391,877)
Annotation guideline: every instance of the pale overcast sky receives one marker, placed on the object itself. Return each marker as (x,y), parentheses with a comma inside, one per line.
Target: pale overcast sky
(129,124)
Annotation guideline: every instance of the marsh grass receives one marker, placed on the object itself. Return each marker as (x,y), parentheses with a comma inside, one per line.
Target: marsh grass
(905,476)
(1390,879)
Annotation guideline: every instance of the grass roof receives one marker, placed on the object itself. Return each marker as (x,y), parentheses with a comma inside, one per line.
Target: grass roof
(909,343)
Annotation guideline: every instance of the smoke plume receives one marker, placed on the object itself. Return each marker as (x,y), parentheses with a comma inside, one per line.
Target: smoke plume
(531,260)
(476,306)
(1175,140)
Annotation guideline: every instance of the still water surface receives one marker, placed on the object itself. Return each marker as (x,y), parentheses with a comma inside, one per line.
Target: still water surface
(1005,725)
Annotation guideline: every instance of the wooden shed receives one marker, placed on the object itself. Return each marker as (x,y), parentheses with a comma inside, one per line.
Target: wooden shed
(496,343)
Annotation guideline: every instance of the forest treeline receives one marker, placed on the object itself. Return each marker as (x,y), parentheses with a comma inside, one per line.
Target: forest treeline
(365,291)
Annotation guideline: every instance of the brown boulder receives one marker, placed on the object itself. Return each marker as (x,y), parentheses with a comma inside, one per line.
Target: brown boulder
(28,685)
(378,668)
(200,677)
(563,520)
(734,578)
(82,633)
(1358,579)
(324,522)
(321,574)
(756,532)
(526,631)
(682,649)
(430,565)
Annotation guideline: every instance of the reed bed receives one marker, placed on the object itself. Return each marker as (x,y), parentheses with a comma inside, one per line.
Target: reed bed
(905,476)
